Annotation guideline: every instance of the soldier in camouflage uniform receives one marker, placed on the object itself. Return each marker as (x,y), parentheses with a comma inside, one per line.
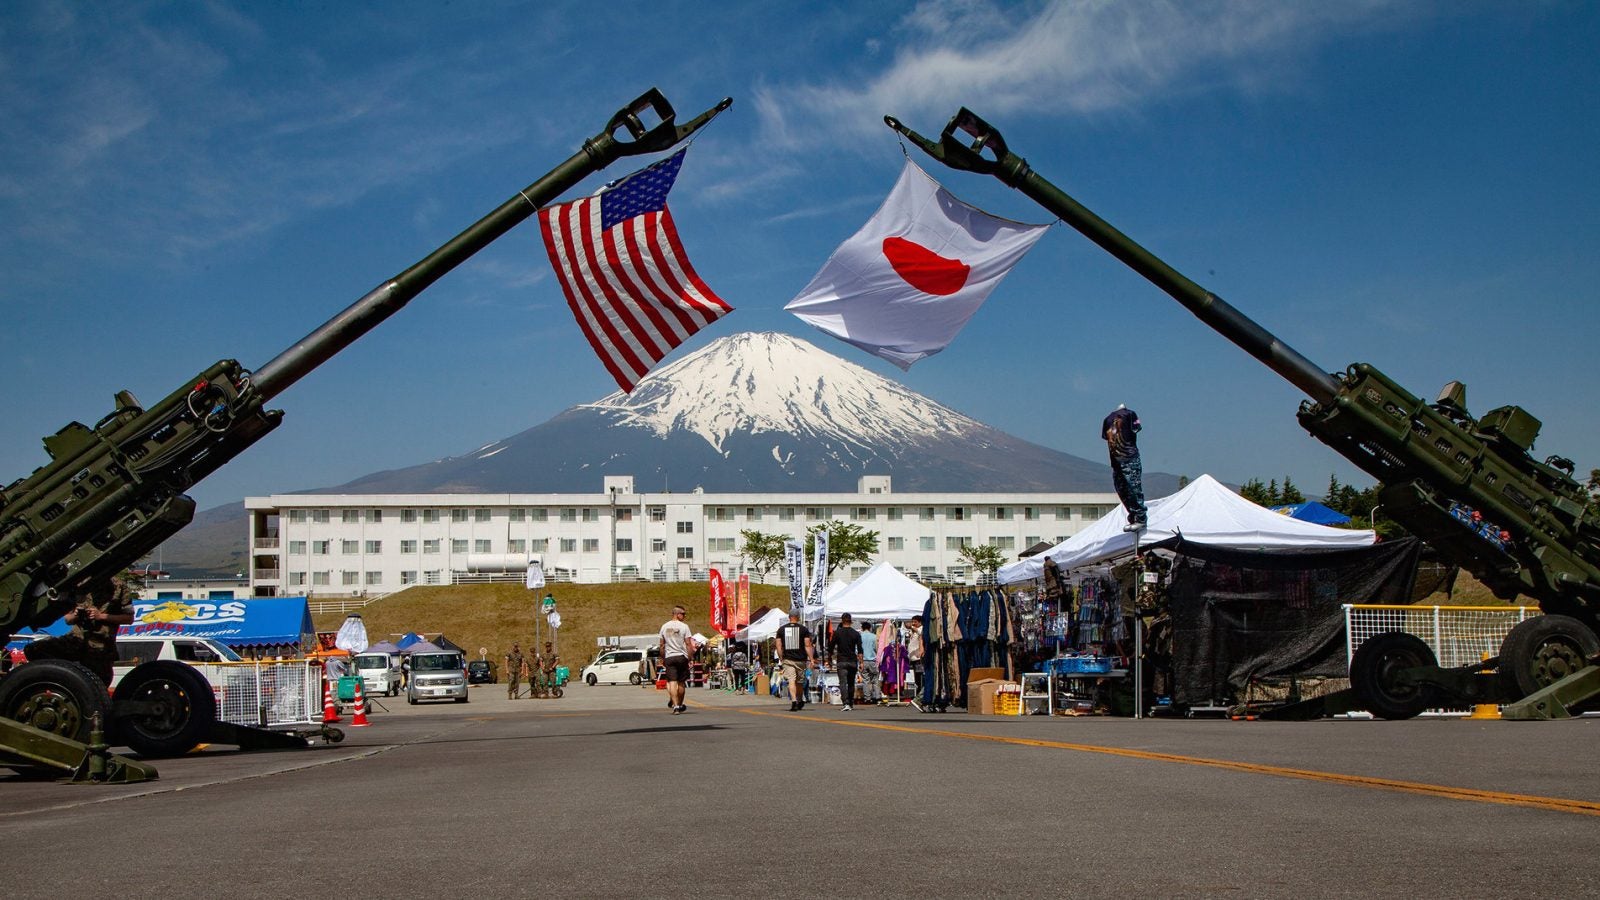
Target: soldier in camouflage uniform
(535,665)
(513,670)
(549,660)
(103,606)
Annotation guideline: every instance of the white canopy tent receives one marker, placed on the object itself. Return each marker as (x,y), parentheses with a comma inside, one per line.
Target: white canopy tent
(882,592)
(764,627)
(1204,512)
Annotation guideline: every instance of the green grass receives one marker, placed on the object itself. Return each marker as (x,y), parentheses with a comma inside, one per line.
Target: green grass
(491,616)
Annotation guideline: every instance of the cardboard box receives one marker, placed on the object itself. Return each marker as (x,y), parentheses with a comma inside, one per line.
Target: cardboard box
(985,673)
(980,696)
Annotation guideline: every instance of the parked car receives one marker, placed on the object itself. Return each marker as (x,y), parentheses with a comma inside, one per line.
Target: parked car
(380,673)
(482,671)
(437,675)
(205,655)
(615,667)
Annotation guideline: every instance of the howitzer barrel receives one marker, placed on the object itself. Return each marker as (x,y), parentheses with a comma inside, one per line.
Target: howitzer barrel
(1208,307)
(388,298)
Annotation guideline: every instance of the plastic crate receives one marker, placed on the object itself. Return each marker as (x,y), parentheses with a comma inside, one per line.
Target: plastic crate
(1007,704)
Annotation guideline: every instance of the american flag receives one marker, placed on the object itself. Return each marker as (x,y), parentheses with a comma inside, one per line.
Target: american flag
(625,274)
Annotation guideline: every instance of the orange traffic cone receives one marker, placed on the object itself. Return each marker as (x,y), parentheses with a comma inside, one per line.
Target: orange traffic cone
(330,713)
(359,720)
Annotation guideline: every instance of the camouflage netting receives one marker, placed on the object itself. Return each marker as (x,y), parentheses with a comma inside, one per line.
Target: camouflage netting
(1251,624)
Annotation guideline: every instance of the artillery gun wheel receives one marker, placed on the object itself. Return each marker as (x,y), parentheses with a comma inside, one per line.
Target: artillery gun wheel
(182,711)
(1543,650)
(1374,675)
(57,696)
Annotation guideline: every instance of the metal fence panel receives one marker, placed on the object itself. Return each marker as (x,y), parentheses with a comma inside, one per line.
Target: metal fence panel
(269,692)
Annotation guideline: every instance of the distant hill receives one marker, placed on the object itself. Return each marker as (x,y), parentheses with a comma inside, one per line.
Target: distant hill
(760,413)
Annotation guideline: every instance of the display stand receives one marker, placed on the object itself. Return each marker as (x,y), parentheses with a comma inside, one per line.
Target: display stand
(1076,691)
(1036,694)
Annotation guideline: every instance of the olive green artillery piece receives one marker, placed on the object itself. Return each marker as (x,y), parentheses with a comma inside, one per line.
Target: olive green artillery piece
(111,493)
(1469,487)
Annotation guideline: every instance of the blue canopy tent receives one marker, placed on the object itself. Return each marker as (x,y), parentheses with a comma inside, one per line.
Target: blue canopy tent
(1313,512)
(411,637)
(262,621)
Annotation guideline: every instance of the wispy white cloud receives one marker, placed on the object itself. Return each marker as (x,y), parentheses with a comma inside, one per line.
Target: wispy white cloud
(1067,57)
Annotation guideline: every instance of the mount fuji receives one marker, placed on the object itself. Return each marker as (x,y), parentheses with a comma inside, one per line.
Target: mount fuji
(756,413)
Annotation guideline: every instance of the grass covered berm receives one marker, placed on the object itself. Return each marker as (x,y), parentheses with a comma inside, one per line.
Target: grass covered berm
(493,615)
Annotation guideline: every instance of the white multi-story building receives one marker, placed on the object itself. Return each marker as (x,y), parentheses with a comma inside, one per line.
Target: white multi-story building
(379,543)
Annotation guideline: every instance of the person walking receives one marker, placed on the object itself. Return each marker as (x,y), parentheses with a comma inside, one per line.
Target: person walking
(513,671)
(739,665)
(871,678)
(675,638)
(1127,471)
(847,660)
(796,657)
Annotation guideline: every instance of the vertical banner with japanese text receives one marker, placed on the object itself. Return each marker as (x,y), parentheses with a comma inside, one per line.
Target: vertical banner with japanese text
(794,558)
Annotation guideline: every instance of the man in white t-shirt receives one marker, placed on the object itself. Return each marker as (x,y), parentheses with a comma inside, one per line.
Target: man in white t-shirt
(675,640)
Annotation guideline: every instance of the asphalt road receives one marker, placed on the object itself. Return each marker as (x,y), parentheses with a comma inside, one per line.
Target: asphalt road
(604,793)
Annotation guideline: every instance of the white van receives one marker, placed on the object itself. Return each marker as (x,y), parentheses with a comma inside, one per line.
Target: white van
(615,667)
(201,653)
(380,673)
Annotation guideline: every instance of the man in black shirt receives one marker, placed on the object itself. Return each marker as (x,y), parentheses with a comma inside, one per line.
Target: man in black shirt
(797,657)
(1127,471)
(846,659)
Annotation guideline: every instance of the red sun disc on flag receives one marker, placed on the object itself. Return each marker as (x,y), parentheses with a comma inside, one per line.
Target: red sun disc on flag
(924,269)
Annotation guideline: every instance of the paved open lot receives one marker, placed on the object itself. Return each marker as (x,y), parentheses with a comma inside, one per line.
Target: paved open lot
(604,793)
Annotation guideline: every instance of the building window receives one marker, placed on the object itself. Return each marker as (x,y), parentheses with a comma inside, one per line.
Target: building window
(349,578)
(516,545)
(430,546)
(320,548)
(897,543)
(374,578)
(297,579)
(658,513)
(321,579)
(955,513)
(297,547)
(926,514)
(1031,540)
(1063,513)
(624,514)
(957,573)
(569,514)
(1002,513)
(927,571)
(458,545)
(297,515)
(481,546)
(408,515)
(430,516)
(818,513)
(686,553)
(624,545)
(350,516)
(591,545)
(408,547)
(686,528)
(375,516)
(349,548)
(458,516)
(721,545)
(785,514)
(893,513)
(752,513)
(926,543)
(538,545)
(569,545)
(721,514)
(865,514)
(431,576)
(658,545)
(1004,543)
(539,515)
(956,543)
(319,516)
(858,571)
(517,515)
(480,515)
(408,576)
(874,490)
(591,515)
(1030,513)
(374,546)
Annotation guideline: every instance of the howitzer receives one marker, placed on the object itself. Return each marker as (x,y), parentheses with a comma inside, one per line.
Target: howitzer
(111,493)
(1469,487)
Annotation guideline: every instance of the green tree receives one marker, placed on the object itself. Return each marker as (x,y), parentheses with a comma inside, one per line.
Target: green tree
(1289,494)
(848,543)
(986,558)
(1256,492)
(763,552)
(1594,489)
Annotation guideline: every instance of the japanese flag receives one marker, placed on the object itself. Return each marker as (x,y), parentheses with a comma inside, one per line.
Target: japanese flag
(904,285)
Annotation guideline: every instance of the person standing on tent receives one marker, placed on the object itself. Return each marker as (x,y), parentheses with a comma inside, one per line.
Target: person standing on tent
(513,671)
(847,660)
(796,657)
(675,638)
(1127,471)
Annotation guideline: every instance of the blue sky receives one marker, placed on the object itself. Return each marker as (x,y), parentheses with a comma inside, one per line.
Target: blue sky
(1412,185)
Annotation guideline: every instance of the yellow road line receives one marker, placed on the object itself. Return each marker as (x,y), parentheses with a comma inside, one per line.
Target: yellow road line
(1553,804)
